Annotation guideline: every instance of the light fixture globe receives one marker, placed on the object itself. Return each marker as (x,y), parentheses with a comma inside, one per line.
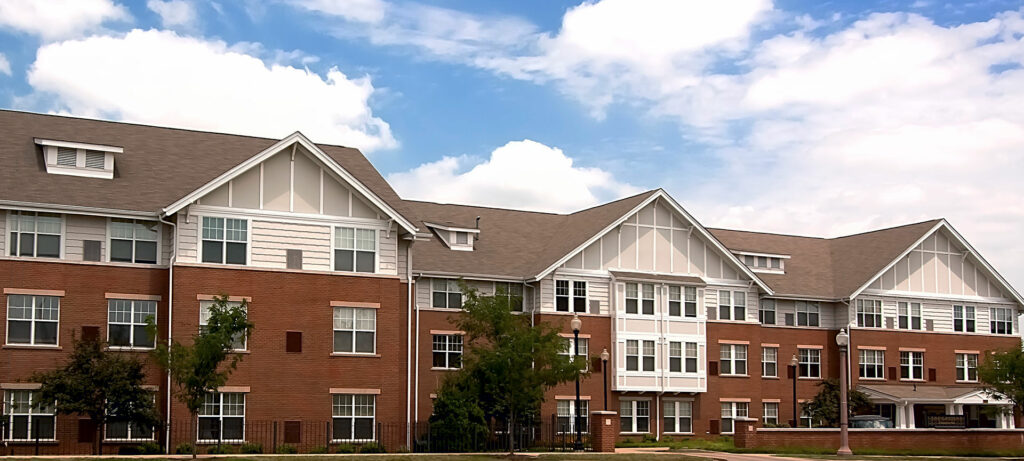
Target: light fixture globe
(576,324)
(794,361)
(605,355)
(843,338)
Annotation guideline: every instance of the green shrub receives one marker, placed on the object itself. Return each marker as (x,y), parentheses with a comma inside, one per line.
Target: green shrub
(183,449)
(129,450)
(372,447)
(250,448)
(286,450)
(150,448)
(345,448)
(220,450)
(319,450)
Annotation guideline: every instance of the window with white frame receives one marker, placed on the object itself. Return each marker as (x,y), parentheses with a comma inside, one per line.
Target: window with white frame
(133,241)
(675,301)
(967,367)
(225,240)
(513,292)
(222,417)
(690,301)
(35,234)
(355,250)
(1001,320)
(447,351)
(24,420)
(632,355)
(871,363)
(733,358)
(128,431)
(570,295)
(869,313)
(127,320)
(963,319)
(732,305)
(240,340)
(647,299)
(634,416)
(766,313)
(690,357)
(808,314)
(770,362)
(810,363)
(911,365)
(32,319)
(909,315)
(731,411)
(569,348)
(647,355)
(640,298)
(355,330)
(678,416)
(682,357)
(566,410)
(770,414)
(353,417)
(806,420)
(445,294)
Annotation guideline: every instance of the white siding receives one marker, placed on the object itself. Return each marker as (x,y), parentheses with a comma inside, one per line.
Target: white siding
(188,239)
(388,254)
(423,290)
(271,240)
(3,237)
(166,243)
(79,228)
(939,312)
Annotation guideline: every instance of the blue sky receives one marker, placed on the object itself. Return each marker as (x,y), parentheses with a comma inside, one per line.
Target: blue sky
(805,117)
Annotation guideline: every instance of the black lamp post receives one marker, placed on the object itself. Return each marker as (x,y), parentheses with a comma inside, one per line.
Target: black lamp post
(793,369)
(576,324)
(604,368)
(843,340)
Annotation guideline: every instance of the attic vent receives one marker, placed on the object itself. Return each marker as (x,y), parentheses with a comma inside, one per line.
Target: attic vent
(67,156)
(94,159)
(78,158)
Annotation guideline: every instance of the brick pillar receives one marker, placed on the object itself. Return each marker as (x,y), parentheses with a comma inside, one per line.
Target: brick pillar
(745,435)
(604,430)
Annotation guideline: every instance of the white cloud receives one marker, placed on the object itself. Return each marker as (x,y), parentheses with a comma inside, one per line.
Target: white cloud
(371,11)
(5,65)
(55,19)
(162,78)
(521,174)
(174,13)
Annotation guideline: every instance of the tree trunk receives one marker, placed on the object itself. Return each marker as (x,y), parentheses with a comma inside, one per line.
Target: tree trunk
(99,437)
(511,438)
(195,432)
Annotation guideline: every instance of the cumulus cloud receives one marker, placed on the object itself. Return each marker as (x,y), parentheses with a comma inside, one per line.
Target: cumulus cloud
(5,65)
(160,77)
(521,174)
(55,19)
(173,13)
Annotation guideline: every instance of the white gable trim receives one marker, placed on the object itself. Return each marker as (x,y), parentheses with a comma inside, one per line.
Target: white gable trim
(679,209)
(943,224)
(320,155)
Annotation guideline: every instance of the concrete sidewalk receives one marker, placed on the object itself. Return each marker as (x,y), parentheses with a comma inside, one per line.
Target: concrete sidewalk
(710,455)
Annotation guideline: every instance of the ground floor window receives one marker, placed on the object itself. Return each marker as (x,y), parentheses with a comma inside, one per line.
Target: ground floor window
(770,414)
(222,417)
(567,416)
(634,416)
(730,412)
(128,431)
(353,417)
(678,416)
(23,421)
(806,420)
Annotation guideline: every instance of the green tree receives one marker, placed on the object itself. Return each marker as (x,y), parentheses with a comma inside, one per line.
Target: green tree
(200,368)
(103,385)
(458,423)
(825,405)
(1002,373)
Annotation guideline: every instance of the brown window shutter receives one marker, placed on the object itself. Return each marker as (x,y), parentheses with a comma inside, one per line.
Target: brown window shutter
(892,373)
(790,372)
(293,341)
(713,368)
(90,333)
(714,426)
(595,364)
(931,374)
(292,431)
(86,431)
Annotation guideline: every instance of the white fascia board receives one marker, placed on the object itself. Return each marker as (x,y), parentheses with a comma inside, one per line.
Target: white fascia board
(73,209)
(767,255)
(453,229)
(78,145)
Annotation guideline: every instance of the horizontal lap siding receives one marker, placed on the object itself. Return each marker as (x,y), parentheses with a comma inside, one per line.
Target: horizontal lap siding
(940,312)
(3,235)
(79,228)
(388,252)
(188,239)
(271,240)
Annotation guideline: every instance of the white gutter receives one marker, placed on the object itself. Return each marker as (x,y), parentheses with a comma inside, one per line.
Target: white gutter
(408,365)
(170,323)
(416,384)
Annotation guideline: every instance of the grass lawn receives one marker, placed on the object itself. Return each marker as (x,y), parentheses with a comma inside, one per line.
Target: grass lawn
(725,444)
(468,457)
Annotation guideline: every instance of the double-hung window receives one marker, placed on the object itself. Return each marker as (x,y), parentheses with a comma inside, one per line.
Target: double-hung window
(355,250)
(634,416)
(678,416)
(1001,320)
(810,363)
(222,417)
(24,420)
(766,314)
(682,357)
(240,340)
(513,292)
(126,322)
(225,240)
(635,355)
(770,362)
(690,302)
(963,319)
(567,416)
(732,411)
(447,351)
(909,315)
(640,298)
(133,241)
(128,431)
(675,301)
(869,313)
(355,330)
(871,363)
(732,305)
(445,293)
(911,365)
(570,295)
(353,417)
(808,314)
(35,234)
(647,355)
(770,414)
(733,359)
(967,367)
(33,319)
(569,349)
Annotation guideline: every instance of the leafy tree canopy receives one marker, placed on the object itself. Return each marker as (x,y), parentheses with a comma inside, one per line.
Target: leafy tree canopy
(825,406)
(1003,373)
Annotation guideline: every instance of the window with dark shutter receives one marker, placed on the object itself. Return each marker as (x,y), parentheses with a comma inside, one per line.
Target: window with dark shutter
(293,341)
(86,431)
(292,431)
(892,372)
(714,426)
(931,374)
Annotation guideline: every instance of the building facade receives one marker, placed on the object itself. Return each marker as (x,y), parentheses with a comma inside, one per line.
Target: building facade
(353,289)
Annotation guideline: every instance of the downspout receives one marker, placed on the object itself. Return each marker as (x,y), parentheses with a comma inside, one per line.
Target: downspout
(416,367)
(170,314)
(408,365)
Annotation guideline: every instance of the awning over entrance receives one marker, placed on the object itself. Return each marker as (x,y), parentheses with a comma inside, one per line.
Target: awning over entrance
(913,406)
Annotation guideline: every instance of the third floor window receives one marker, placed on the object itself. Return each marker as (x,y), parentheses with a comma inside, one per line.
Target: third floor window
(570,295)
(225,240)
(35,234)
(963,319)
(133,241)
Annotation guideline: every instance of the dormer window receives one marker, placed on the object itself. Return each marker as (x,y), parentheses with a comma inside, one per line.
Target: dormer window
(462,238)
(79,159)
(761,262)
(456,238)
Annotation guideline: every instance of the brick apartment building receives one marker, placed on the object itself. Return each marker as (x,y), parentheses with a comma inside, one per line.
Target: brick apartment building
(351,289)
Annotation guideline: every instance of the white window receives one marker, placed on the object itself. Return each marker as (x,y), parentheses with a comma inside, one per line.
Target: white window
(133,241)
(35,234)
(732,305)
(32,319)
(730,412)
(682,357)
(808,314)
(240,341)
(963,319)
(355,330)
(690,303)
(766,314)
(647,355)
(967,367)
(576,297)
(445,293)
(222,417)
(125,431)
(355,250)
(353,417)
(733,358)
(512,291)
(911,365)
(810,363)
(24,421)
(1001,322)
(871,363)
(678,416)
(634,416)
(567,416)
(640,298)
(869,313)
(770,414)
(447,351)
(126,323)
(225,240)
(569,348)
(675,301)
(806,420)
(770,362)
(635,355)
(909,315)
